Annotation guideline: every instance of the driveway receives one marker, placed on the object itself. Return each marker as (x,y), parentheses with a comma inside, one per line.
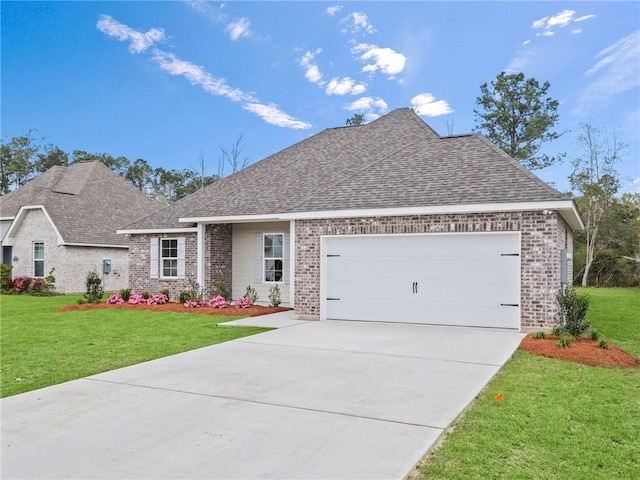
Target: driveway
(317,400)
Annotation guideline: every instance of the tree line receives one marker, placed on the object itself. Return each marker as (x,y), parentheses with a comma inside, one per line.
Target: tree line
(26,156)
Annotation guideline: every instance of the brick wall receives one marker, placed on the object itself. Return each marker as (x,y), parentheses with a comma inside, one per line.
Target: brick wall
(139,263)
(78,261)
(218,256)
(542,237)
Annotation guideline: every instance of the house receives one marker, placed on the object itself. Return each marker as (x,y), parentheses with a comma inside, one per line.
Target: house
(66,219)
(386,221)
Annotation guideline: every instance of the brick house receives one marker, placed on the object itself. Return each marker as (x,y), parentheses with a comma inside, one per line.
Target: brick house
(66,219)
(386,221)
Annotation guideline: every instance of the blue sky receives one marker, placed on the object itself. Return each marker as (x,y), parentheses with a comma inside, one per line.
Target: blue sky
(169,81)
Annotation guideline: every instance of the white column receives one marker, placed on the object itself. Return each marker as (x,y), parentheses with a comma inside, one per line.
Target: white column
(292,262)
(200,243)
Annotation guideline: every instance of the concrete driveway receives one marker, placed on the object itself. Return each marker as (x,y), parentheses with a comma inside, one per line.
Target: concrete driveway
(316,400)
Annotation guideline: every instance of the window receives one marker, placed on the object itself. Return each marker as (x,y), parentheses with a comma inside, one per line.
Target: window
(273,257)
(38,259)
(169,257)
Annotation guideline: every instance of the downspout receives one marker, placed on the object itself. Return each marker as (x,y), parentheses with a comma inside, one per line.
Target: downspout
(200,254)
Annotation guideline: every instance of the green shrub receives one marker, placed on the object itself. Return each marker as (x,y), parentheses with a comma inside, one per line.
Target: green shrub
(274,296)
(603,344)
(594,335)
(572,310)
(94,290)
(557,331)
(184,296)
(564,341)
(165,292)
(125,293)
(251,294)
(539,335)
(220,289)
(146,295)
(5,275)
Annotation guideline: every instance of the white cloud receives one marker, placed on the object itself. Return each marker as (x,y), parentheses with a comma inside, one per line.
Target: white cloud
(197,75)
(345,86)
(312,72)
(356,22)
(139,41)
(274,116)
(386,60)
(526,42)
(239,29)
(615,72)
(559,20)
(334,9)
(425,104)
(368,106)
(575,31)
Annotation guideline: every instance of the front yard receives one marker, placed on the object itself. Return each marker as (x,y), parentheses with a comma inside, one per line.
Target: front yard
(558,419)
(42,347)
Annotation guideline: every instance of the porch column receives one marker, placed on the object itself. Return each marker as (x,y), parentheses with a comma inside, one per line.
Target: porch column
(200,255)
(292,262)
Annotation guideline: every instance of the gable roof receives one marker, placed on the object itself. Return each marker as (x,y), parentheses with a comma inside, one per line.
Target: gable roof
(86,202)
(396,161)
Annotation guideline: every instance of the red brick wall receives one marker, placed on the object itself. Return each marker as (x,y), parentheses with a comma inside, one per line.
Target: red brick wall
(542,237)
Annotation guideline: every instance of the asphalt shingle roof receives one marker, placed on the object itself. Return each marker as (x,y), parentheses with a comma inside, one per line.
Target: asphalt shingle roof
(87,202)
(394,161)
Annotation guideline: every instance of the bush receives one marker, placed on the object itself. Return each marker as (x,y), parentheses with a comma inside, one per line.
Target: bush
(243,302)
(539,335)
(165,292)
(603,344)
(5,276)
(194,303)
(274,296)
(125,293)
(251,294)
(220,290)
(157,299)
(94,290)
(572,310)
(136,298)
(146,295)
(184,296)
(564,341)
(594,335)
(115,299)
(218,302)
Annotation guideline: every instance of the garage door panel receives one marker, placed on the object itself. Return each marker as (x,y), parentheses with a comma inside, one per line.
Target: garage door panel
(455,279)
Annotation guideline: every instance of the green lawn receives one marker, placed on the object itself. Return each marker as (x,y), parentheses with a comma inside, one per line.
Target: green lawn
(559,419)
(42,347)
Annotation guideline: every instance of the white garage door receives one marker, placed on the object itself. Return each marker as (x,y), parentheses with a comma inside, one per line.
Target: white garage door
(449,279)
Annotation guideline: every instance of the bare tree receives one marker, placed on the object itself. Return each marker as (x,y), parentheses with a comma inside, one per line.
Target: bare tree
(232,157)
(449,124)
(595,177)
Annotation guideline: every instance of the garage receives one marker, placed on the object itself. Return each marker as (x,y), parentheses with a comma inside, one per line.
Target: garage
(467,279)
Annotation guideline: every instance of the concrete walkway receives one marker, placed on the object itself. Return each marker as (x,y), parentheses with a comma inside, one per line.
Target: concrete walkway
(316,400)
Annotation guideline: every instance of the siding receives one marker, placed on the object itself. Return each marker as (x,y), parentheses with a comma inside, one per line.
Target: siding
(244,254)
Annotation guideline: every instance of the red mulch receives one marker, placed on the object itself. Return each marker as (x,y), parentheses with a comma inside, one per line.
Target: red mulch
(253,311)
(581,350)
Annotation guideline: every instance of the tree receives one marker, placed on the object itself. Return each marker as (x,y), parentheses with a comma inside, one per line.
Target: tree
(518,116)
(119,165)
(357,119)
(140,175)
(17,161)
(594,176)
(231,156)
(51,157)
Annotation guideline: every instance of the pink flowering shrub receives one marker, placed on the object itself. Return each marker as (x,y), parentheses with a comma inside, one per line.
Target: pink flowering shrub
(218,302)
(137,298)
(194,303)
(243,302)
(115,299)
(157,299)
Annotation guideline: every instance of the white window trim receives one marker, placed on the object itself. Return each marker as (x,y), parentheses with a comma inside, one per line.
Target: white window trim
(38,260)
(265,258)
(161,259)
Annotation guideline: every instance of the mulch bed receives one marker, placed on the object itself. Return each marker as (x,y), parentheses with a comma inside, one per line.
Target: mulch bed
(252,311)
(581,350)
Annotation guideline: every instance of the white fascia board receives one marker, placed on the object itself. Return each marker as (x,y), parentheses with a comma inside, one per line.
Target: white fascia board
(98,245)
(566,208)
(17,221)
(146,231)
(2,219)
(234,219)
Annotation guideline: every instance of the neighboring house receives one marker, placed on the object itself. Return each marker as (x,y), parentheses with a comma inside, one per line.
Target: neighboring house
(67,219)
(386,221)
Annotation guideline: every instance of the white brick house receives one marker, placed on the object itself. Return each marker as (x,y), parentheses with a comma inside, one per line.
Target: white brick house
(386,221)
(66,219)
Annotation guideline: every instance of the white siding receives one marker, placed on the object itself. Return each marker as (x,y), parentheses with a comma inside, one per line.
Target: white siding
(244,260)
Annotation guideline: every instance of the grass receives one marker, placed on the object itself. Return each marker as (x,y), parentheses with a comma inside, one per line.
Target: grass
(558,419)
(42,347)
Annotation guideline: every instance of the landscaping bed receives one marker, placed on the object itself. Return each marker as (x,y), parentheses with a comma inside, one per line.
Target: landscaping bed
(252,311)
(583,350)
